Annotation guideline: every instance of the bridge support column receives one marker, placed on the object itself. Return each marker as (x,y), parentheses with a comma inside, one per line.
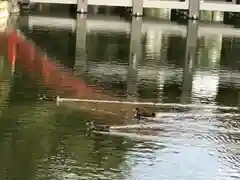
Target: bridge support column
(193,9)
(80,53)
(134,58)
(14,8)
(82,6)
(137,9)
(190,60)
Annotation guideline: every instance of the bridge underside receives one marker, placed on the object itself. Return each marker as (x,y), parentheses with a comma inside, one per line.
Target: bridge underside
(164,4)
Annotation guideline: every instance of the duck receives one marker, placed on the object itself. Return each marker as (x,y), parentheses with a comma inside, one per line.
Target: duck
(43,97)
(139,114)
(143,114)
(92,127)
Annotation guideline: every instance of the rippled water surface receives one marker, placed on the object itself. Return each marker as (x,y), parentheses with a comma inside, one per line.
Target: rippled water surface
(40,140)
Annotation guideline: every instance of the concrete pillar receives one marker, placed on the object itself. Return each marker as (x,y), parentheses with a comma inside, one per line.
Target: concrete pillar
(14,8)
(135,56)
(193,9)
(190,60)
(82,6)
(80,53)
(137,8)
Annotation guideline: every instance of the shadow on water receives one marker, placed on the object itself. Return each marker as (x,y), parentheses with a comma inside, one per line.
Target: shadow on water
(162,62)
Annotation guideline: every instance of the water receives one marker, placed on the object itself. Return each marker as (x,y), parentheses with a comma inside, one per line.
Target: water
(40,140)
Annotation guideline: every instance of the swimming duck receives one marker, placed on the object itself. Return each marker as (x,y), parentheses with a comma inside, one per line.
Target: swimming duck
(43,97)
(140,114)
(92,127)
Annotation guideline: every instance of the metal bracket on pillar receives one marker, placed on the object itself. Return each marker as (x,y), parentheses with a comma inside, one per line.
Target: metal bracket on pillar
(193,9)
(134,56)
(82,6)
(190,59)
(137,8)
(81,55)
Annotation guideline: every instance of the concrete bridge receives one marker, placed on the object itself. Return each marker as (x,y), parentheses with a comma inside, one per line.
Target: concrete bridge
(193,6)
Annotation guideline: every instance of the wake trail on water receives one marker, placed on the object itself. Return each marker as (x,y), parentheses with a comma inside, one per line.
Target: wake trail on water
(133,136)
(200,114)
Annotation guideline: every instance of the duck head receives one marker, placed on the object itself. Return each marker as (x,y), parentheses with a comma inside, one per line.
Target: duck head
(141,113)
(137,113)
(90,126)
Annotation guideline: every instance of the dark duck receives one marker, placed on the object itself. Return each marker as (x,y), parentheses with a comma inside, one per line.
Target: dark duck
(44,97)
(143,114)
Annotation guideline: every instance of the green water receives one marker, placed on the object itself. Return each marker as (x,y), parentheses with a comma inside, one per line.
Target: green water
(40,140)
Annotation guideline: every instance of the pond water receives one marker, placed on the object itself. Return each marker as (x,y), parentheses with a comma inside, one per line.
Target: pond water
(40,140)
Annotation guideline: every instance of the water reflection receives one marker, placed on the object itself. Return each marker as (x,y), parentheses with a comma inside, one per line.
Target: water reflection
(142,60)
(40,136)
